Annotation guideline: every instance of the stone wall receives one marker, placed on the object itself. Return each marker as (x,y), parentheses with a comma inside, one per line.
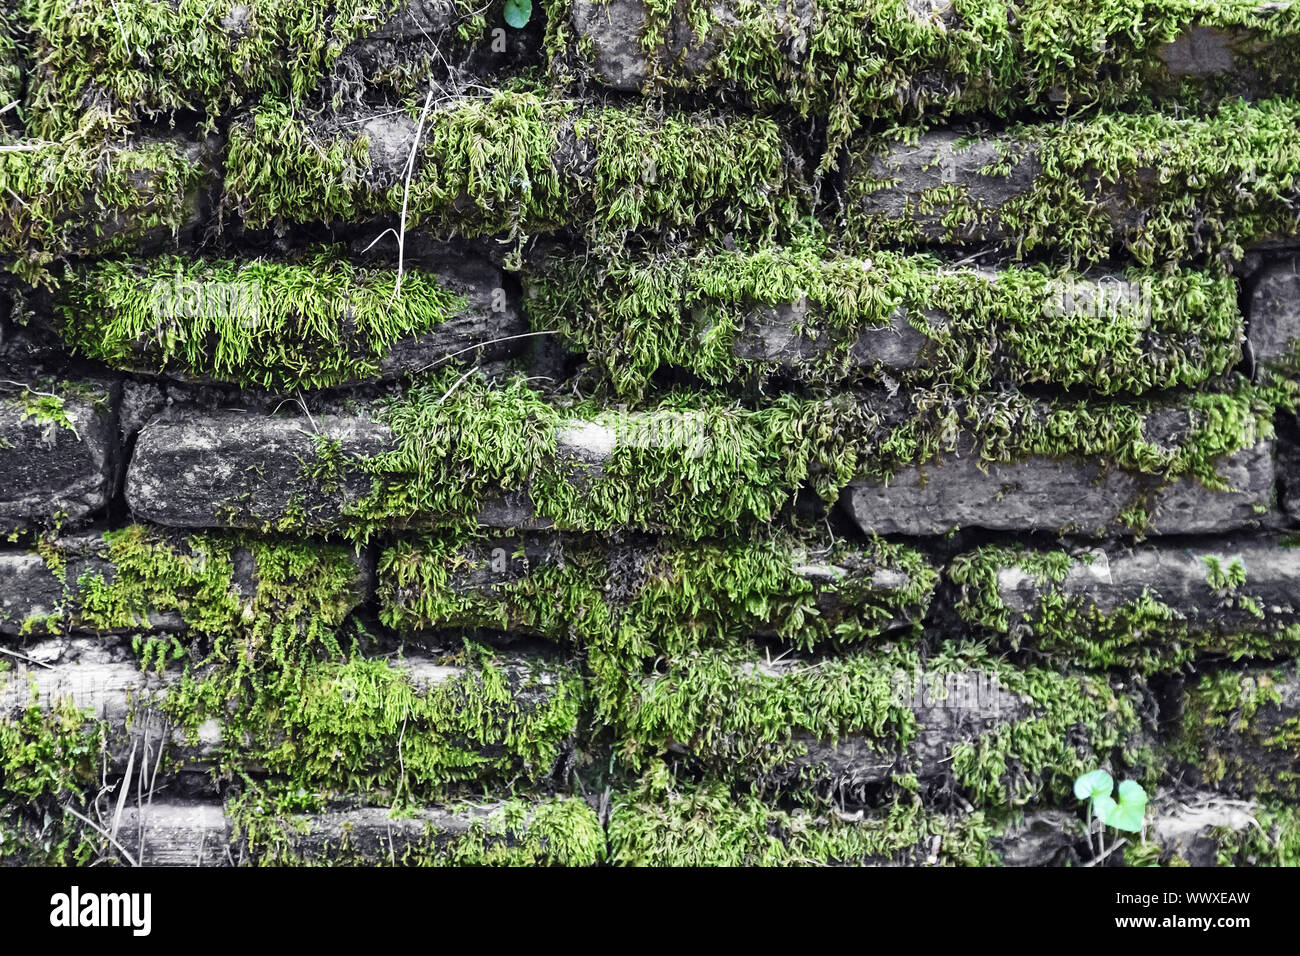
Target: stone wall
(742,432)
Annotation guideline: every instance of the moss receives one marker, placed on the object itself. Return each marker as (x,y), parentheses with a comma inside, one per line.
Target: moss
(1239,732)
(664,602)
(1158,186)
(214,59)
(49,760)
(13,67)
(559,831)
(519,162)
(852,62)
(710,826)
(133,575)
(1124,435)
(313,323)
(340,722)
(690,309)
(1274,842)
(1147,634)
(694,463)
(87,193)
(700,464)
(744,717)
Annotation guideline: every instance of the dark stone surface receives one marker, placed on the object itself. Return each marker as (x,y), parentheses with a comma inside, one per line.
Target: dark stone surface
(51,472)
(1043,494)
(245,470)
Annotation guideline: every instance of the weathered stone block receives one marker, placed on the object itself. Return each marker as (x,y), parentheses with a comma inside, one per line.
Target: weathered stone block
(139,581)
(1150,608)
(1275,315)
(1240,732)
(664,593)
(243,470)
(1045,494)
(57,452)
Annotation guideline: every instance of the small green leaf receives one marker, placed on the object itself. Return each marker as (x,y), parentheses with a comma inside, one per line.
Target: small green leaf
(518,13)
(1092,786)
(1129,813)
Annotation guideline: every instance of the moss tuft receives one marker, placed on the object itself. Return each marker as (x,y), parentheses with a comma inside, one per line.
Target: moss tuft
(310,324)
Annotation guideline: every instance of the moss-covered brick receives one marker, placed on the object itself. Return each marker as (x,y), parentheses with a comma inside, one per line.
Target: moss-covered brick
(711,826)
(1000,734)
(316,322)
(1014,463)
(134,580)
(849,62)
(632,603)
(105,58)
(1156,186)
(410,727)
(308,713)
(459,451)
(56,452)
(1240,732)
(557,831)
(1152,608)
(516,162)
(808,311)
(91,193)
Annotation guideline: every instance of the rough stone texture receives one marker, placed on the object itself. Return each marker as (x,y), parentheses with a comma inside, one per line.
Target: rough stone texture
(774,334)
(1275,313)
(1041,494)
(945,158)
(177,833)
(50,470)
(1106,579)
(1188,825)
(621,62)
(476,334)
(949,709)
(244,470)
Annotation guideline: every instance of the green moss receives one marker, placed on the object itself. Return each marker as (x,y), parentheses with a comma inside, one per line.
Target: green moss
(1158,186)
(690,309)
(346,723)
(282,48)
(1148,634)
(744,717)
(87,193)
(709,826)
(559,831)
(1274,842)
(700,464)
(1123,435)
(859,61)
(133,575)
(13,67)
(49,759)
(313,323)
(519,162)
(1240,732)
(680,597)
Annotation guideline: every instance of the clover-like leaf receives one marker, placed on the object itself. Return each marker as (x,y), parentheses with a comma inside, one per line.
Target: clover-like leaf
(1094,785)
(518,13)
(1129,812)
